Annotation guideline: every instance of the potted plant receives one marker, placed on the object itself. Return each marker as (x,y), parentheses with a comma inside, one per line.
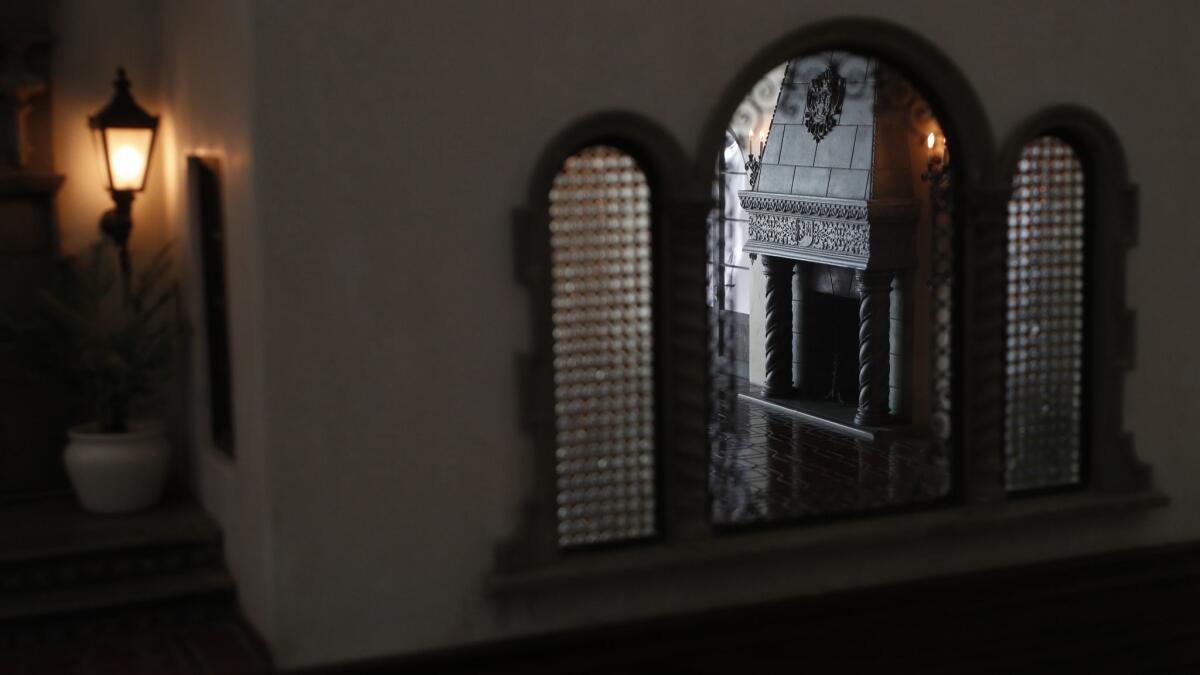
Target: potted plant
(109,336)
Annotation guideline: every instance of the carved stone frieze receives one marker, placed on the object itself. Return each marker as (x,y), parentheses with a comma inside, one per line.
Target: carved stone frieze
(784,204)
(773,229)
(827,236)
(839,237)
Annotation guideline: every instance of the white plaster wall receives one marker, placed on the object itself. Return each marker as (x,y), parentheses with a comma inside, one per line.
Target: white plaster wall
(208,85)
(736,224)
(91,40)
(189,61)
(381,147)
(395,138)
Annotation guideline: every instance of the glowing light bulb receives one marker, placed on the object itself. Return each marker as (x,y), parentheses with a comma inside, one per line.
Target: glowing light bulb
(128,157)
(127,165)
(930,140)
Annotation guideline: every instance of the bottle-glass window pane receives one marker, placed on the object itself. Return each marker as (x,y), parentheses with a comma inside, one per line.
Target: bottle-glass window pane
(603,348)
(1043,405)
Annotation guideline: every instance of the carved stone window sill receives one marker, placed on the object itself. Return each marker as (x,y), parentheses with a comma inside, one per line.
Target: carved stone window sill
(936,524)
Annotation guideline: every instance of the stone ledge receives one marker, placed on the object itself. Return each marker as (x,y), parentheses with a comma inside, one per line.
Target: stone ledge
(46,530)
(869,531)
(126,593)
(29,184)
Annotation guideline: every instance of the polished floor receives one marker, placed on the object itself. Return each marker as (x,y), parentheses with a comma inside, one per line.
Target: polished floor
(770,466)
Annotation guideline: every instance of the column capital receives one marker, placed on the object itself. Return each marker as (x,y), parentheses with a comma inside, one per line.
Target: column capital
(872,280)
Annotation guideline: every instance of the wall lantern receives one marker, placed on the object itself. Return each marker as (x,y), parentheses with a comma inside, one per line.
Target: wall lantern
(125,132)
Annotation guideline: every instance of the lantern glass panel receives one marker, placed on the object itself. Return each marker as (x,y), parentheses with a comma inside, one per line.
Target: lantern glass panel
(128,154)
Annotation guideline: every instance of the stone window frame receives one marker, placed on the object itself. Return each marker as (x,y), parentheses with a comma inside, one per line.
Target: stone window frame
(662,161)
(1108,461)
(681,200)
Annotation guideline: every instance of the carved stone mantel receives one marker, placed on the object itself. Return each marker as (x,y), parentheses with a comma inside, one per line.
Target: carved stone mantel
(872,237)
(860,234)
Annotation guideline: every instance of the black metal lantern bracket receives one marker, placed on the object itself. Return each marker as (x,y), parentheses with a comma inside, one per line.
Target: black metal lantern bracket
(122,113)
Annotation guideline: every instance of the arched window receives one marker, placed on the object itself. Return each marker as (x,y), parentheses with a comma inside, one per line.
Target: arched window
(833,386)
(865,275)
(603,346)
(1045,318)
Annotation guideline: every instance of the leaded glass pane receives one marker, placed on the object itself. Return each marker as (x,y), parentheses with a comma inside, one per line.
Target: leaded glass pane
(603,348)
(1045,317)
(941,314)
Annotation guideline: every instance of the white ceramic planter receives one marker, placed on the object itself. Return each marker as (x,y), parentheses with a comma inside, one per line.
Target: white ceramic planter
(118,473)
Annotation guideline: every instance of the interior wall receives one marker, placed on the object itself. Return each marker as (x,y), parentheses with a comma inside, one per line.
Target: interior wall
(398,137)
(189,61)
(91,39)
(207,72)
(373,153)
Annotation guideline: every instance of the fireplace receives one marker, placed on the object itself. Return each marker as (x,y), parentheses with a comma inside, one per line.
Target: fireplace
(832,226)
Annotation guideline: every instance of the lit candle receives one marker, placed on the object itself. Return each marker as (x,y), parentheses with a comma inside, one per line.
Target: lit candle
(930,141)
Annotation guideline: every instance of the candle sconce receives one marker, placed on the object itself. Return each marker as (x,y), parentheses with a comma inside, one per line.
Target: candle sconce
(753,163)
(937,173)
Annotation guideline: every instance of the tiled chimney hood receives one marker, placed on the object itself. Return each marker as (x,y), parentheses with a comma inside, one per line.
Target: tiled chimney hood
(835,183)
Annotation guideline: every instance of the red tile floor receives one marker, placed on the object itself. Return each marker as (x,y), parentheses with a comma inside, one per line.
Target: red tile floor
(767,466)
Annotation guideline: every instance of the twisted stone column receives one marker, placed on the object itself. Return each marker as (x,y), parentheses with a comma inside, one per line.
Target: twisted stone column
(778,331)
(899,347)
(799,291)
(874,289)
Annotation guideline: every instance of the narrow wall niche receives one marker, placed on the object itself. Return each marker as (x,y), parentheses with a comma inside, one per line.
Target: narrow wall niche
(204,175)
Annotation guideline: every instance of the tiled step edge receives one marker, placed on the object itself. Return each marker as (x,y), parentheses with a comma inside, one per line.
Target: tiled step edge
(25,606)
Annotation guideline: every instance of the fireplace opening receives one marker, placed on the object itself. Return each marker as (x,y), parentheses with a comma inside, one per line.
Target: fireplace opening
(826,367)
